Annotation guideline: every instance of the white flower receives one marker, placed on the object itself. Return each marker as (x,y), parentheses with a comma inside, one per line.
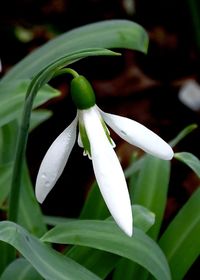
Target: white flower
(94,137)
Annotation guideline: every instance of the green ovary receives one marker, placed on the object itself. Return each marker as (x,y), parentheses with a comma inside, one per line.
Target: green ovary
(82,93)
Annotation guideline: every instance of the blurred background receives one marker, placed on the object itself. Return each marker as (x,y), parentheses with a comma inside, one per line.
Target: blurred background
(161,89)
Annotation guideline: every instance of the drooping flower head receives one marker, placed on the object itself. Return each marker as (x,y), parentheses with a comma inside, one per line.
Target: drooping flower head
(95,139)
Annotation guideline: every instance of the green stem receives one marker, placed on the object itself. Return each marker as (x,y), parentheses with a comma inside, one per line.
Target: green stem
(43,77)
(34,87)
(66,71)
(38,81)
(19,159)
(18,165)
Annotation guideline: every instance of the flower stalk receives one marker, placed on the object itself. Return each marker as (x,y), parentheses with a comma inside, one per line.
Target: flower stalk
(38,81)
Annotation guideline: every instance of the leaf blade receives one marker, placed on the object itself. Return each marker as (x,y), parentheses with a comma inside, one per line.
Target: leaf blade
(150,190)
(102,263)
(182,134)
(49,263)
(190,160)
(180,242)
(105,34)
(105,235)
(152,187)
(13,96)
(30,214)
(20,269)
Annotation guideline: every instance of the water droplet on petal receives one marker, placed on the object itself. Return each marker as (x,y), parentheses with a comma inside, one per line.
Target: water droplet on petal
(44,176)
(47,184)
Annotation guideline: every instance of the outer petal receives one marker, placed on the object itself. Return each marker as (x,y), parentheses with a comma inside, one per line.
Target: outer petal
(108,171)
(138,135)
(54,161)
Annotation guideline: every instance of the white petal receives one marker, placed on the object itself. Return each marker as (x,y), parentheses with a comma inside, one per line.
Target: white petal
(108,171)
(54,161)
(138,135)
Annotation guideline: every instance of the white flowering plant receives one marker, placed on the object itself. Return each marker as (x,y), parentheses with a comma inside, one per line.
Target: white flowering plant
(118,232)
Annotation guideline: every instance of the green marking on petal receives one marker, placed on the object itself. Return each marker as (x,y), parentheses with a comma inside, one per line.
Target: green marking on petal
(85,140)
(107,132)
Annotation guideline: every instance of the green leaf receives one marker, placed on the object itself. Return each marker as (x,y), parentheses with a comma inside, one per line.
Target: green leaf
(187,130)
(4,261)
(97,261)
(134,167)
(30,215)
(50,264)
(132,182)
(13,95)
(94,206)
(190,160)
(38,117)
(8,142)
(143,218)
(151,189)
(8,149)
(105,235)
(180,242)
(100,262)
(148,188)
(105,34)
(54,220)
(5,175)
(20,269)
(133,271)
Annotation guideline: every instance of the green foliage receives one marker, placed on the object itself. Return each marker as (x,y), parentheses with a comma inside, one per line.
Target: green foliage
(105,235)
(180,242)
(190,160)
(105,34)
(98,261)
(50,264)
(20,269)
(13,95)
(96,246)
(182,134)
(151,189)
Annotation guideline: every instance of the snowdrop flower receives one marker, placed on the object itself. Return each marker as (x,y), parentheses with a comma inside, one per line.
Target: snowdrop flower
(95,139)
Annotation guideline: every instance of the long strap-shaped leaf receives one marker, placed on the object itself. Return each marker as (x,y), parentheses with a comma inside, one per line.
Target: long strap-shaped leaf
(49,263)
(12,99)
(181,240)
(105,34)
(105,235)
(101,262)
(150,190)
(20,269)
